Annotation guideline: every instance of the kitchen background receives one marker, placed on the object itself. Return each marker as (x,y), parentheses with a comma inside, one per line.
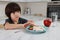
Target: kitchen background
(35,7)
(42,8)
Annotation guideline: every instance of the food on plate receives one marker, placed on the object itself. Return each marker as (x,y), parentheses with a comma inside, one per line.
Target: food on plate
(36,28)
(31,28)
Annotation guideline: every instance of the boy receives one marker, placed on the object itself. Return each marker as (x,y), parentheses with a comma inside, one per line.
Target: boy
(14,20)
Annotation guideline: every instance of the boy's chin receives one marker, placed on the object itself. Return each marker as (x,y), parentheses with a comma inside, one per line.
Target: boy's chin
(16,18)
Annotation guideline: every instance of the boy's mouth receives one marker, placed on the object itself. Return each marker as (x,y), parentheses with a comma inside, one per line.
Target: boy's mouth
(17,17)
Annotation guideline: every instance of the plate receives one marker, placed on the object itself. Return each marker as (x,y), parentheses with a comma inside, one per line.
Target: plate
(39,31)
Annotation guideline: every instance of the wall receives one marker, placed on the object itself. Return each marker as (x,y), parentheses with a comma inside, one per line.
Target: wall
(36,7)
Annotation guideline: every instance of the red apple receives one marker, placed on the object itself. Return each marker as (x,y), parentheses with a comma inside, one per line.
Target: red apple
(47,22)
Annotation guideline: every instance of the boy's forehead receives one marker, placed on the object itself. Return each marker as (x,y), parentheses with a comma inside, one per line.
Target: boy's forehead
(17,11)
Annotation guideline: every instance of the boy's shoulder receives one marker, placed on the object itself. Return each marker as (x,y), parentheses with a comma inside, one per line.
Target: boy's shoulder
(9,20)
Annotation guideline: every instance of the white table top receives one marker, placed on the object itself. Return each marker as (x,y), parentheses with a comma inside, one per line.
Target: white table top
(53,33)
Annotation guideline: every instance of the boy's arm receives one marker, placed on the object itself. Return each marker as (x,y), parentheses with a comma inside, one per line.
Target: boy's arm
(13,26)
(17,26)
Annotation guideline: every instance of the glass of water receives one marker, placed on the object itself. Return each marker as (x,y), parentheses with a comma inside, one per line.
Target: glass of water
(54,17)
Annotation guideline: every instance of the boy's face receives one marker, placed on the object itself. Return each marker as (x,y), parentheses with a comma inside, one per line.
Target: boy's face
(15,16)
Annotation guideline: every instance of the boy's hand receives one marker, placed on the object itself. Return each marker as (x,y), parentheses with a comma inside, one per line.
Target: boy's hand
(26,24)
(30,22)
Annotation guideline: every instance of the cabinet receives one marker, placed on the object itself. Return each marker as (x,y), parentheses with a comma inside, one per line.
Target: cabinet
(38,0)
(27,0)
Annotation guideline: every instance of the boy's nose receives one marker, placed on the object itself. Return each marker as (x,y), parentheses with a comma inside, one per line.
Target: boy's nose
(17,15)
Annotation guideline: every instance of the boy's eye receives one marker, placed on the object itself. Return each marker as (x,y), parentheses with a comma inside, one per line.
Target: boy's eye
(13,13)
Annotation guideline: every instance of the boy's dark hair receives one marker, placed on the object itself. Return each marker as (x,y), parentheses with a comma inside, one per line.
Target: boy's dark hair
(11,8)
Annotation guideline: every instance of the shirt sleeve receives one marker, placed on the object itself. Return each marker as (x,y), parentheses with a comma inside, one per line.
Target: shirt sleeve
(9,21)
(22,20)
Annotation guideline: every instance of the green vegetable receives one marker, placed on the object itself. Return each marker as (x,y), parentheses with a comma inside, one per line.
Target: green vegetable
(31,26)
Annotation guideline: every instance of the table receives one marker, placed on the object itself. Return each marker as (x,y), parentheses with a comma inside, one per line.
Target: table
(53,33)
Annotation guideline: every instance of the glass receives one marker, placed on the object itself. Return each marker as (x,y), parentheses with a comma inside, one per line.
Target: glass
(54,16)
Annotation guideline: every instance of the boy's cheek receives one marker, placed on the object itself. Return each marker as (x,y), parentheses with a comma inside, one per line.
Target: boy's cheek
(12,16)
